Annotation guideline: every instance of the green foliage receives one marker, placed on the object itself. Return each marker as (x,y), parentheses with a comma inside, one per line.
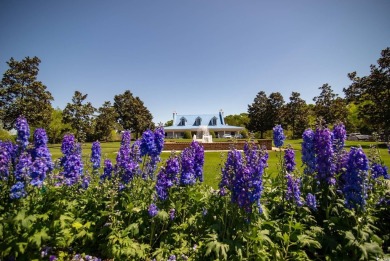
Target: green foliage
(187,135)
(5,135)
(105,122)
(22,94)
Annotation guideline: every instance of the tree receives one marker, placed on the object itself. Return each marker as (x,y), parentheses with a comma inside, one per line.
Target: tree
(237,119)
(105,122)
(168,123)
(296,114)
(325,105)
(372,94)
(259,116)
(57,128)
(276,103)
(22,94)
(132,113)
(79,115)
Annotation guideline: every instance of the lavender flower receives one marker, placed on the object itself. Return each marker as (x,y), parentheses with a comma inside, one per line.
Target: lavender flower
(198,160)
(339,137)
(153,210)
(356,183)
(325,166)
(278,136)
(6,153)
(23,132)
(293,192)
(172,212)
(289,160)
(17,191)
(187,167)
(108,169)
(378,170)
(85,182)
(308,152)
(311,201)
(22,169)
(95,155)
(167,177)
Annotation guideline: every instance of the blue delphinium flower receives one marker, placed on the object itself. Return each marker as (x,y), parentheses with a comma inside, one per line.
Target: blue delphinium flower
(243,177)
(126,166)
(108,169)
(379,170)
(172,212)
(23,133)
(23,167)
(187,176)
(198,160)
(293,191)
(152,210)
(308,152)
(278,136)
(311,201)
(356,179)
(172,258)
(17,191)
(148,146)
(6,154)
(96,155)
(159,136)
(85,181)
(41,151)
(339,137)
(38,172)
(289,160)
(71,162)
(325,165)
(167,177)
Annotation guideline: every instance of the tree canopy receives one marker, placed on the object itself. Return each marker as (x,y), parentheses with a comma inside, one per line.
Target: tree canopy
(22,94)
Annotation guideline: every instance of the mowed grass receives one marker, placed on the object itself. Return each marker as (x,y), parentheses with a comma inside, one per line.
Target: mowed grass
(214,160)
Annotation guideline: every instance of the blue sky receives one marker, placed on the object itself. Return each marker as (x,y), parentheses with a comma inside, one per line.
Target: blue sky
(193,56)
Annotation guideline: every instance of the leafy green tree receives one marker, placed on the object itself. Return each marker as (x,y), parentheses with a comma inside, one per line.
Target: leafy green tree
(22,94)
(79,115)
(276,103)
(105,122)
(57,128)
(259,115)
(372,94)
(132,113)
(168,123)
(296,114)
(241,119)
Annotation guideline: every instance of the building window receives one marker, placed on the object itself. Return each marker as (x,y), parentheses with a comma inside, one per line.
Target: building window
(213,121)
(198,121)
(182,121)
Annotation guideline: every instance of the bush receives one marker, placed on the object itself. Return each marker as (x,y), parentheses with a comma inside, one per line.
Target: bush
(187,135)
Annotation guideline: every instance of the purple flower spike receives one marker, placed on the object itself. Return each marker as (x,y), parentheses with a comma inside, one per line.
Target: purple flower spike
(278,136)
(311,201)
(17,191)
(108,169)
(23,133)
(339,137)
(293,192)
(325,166)
(289,160)
(96,155)
(153,210)
(308,153)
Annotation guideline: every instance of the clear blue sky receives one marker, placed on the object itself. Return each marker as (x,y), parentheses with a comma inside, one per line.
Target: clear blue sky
(193,56)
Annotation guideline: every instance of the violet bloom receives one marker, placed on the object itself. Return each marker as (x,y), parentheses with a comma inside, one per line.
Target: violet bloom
(325,166)
(38,172)
(172,212)
(6,154)
(278,136)
(17,191)
(289,160)
(198,159)
(167,177)
(339,137)
(159,136)
(293,192)
(311,201)
(356,179)
(22,169)
(126,166)
(187,167)
(308,152)
(378,170)
(23,133)
(41,151)
(152,210)
(71,162)
(233,164)
(148,147)
(96,155)
(108,169)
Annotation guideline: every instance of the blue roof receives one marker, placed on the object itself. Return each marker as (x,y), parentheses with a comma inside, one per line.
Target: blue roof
(194,122)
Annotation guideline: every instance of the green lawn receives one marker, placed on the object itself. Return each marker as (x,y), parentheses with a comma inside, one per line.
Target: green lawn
(215,160)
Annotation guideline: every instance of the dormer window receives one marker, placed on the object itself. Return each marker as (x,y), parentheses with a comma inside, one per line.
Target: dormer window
(213,121)
(182,121)
(198,121)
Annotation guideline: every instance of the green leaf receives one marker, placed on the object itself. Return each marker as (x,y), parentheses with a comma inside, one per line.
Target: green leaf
(77,225)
